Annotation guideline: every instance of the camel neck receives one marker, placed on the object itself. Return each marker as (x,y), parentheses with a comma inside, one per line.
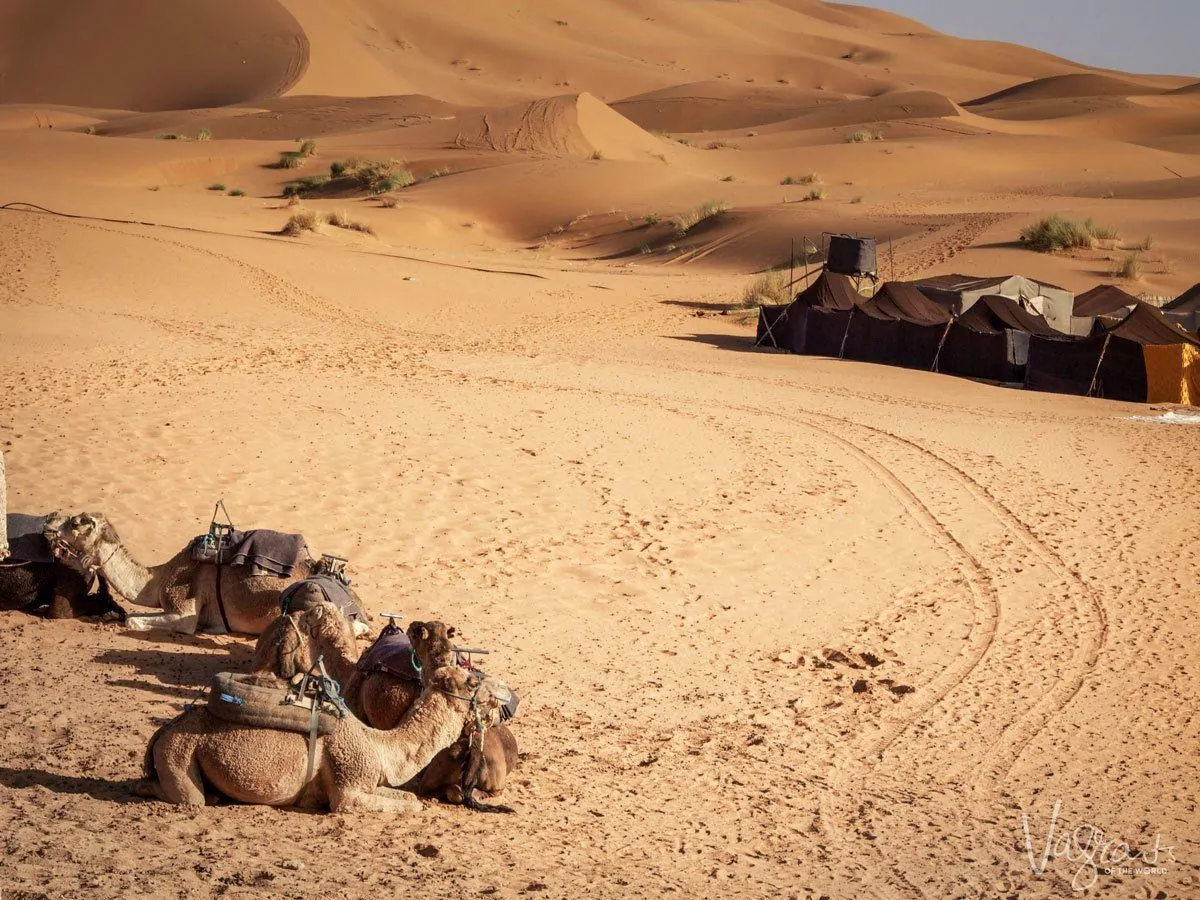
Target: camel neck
(432,724)
(124,574)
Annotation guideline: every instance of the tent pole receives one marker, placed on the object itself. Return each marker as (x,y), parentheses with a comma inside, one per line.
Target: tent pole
(792,266)
(1099,363)
(846,334)
(942,343)
(891,260)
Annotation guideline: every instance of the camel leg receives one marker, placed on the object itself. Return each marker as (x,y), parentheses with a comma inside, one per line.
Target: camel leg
(180,622)
(179,784)
(383,799)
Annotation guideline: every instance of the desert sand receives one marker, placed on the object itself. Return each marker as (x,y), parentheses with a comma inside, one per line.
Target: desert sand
(783,626)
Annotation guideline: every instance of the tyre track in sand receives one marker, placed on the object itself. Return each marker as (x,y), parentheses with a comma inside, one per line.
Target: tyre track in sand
(943,759)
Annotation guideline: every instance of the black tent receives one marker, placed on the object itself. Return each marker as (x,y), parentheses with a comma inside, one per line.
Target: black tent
(921,323)
(815,323)
(1104,300)
(1184,310)
(772,326)
(991,340)
(1108,363)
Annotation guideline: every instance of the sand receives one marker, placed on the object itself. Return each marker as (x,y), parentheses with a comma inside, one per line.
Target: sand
(782,626)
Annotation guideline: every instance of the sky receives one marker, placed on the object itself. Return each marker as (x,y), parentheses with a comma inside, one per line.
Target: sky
(1146,36)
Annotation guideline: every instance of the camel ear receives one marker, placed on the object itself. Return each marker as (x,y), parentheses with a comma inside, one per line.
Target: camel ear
(423,632)
(451,632)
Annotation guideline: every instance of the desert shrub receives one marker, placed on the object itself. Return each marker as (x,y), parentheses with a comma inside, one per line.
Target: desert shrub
(307,148)
(341,220)
(1101,232)
(728,178)
(1056,233)
(389,201)
(856,200)
(216,187)
(810,178)
(652,219)
(444,170)
(302,186)
(1130,267)
(290,159)
(768,288)
(815,194)
(172,136)
(203,135)
(1146,244)
(300,222)
(237,192)
(863,137)
(337,168)
(596,154)
(685,222)
(722,145)
(686,141)
(380,177)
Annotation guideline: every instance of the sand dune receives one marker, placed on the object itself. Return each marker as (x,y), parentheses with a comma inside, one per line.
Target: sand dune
(1061,87)
(143,55)
(781,625)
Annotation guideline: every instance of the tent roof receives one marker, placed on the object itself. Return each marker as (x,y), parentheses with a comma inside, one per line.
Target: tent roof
(830,291)
(1188,301)
(903,302)
(1102,300)
(960,283)
(994,314)
(1147,325)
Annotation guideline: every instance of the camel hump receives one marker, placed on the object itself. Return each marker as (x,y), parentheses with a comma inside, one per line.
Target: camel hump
(261,701)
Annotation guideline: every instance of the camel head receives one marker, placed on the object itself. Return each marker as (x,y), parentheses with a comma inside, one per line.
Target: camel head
(82,540)
(293,642)
(463,684)
(433,644)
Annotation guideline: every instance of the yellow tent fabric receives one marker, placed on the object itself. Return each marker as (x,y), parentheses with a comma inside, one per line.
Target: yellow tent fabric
(1172,374)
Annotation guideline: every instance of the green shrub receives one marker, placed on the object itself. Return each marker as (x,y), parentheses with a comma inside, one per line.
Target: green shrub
(302,186)
(685,222)
(1130,267)
(337,169)
(237,192)
(203,135)
(652,219)
(815,194)
(172,136)
(290,159)
(1056,233)
(216,187)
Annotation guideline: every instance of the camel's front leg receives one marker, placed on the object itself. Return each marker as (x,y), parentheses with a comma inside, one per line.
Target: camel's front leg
(177,783)
(183,623)
(382,799)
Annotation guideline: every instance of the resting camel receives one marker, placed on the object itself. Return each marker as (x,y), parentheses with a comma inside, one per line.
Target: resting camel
(36,583)
(291,645)
(358,768)
(186,590)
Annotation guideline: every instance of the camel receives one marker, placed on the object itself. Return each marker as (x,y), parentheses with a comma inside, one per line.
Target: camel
(42,586)
(186,590)
(292,644)
(358,767)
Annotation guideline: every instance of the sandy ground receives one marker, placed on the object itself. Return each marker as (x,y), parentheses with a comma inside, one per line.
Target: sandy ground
(783,626)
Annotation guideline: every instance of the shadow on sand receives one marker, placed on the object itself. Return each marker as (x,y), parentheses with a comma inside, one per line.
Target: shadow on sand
(99,788)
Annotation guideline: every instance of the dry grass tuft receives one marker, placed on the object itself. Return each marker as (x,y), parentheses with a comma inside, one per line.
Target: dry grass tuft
(863,137)
(685,222)
(1130,267)
(305,220)
(342,220)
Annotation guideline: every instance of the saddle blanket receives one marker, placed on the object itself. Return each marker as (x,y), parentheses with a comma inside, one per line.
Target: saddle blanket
(26,543)
(260,701)
(273,552)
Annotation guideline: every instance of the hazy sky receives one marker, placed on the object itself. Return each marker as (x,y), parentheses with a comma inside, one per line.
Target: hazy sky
(1148,36)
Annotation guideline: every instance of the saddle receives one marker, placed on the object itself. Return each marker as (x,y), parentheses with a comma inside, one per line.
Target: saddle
(27,543)
(264,701)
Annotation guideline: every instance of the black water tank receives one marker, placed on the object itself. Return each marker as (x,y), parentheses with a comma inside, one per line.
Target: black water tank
(851,255)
